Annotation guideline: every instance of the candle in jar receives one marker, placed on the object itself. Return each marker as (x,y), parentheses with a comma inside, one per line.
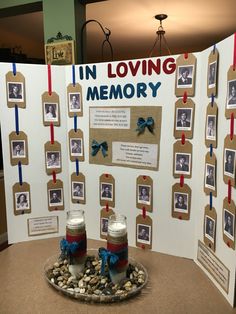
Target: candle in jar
(75,223)
(117,229)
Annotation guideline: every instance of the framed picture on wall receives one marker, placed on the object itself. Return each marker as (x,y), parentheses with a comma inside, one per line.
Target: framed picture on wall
(60,53)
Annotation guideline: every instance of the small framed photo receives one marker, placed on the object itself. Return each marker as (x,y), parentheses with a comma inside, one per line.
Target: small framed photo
(78,190)
(182,163)
(74,102)
(185,76)
(144,194)
(210,228)
(53,159)
(22,200)
(231,95)
(210,176)
(76,147)
(184,119)
(55,197)
(104,226)
(229,162)
(106,191)
(229,224)
(181,202)
(15,91)
(18,149)
(212,74)
(144,234)
(211,127)
(50,112)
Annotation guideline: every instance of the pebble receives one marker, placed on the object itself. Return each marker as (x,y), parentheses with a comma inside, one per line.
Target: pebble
(87,279)
(82,290)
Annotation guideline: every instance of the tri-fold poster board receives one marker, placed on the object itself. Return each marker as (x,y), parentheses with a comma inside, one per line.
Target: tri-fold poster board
(152,139)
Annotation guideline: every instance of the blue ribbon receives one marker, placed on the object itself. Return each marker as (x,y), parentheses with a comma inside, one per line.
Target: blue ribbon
(16,119)
(212,99)
(73,74)
(107,257)
(68,248)
(77,166)
(14,68)
(142,124)
(211,150)
(96,147)
(20,172)
(210,200)
(75,123)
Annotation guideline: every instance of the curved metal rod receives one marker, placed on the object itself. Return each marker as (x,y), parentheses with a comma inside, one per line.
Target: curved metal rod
(105,31)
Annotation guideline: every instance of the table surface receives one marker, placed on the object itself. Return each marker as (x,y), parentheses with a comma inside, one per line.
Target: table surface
(176,285)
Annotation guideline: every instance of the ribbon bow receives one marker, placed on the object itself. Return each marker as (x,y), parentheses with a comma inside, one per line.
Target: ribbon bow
(142,124)
(96,146)
(68,248)
(107,256)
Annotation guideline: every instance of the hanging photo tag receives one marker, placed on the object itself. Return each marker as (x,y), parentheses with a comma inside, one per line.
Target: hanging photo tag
(182,159)
(229,158)
(181,201)
(105,213)
(184,118)
(78,194)
(51,109)
(144,193)
(76,145)
(144,232)
(18,144)
(210,175)
(52,157)
(55,195)
(231,93)
(75,100)
(228,222)
(212,73)
(211,125)
(15,85)
(21,198)
(185,75)
(107,190)
(210,227)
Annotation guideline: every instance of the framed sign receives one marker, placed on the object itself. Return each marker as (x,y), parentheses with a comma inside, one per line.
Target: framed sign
(58,53)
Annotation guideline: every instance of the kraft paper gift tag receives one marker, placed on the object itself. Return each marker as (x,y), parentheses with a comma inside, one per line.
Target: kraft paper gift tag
(181,201)
(184,118)
(105,213)
(228,222)
(211,127)
(15,85)
(18,148)
(185,75)
(75,100)
(229,159)
(52,157)
(21,198)
(144,193)
(78,191)
(231,93)
(76,145)
(144,232)
(209,232)
(210,175)
(55,195)
(212,73)
(51,109)
(182,159)
(107,190)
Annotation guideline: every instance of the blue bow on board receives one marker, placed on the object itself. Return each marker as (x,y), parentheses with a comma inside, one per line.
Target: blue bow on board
(142,124)
(106,255)
(96,147)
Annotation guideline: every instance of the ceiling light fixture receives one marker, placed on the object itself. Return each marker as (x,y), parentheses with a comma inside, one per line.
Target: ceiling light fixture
(160,36)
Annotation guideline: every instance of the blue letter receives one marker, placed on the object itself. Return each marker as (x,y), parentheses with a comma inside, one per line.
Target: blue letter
(131,94)
(92,93)
(154,88)
(141,90)
(115,91)
(103,92)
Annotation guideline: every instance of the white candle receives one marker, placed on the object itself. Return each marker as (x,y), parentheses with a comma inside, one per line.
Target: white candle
(117,229)
(75,223)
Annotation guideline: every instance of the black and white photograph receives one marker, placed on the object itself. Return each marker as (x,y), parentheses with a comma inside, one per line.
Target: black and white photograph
(144,194)
(144,234)
(22,200)
(74,102)
(185,76)
(78,190)
(18,149)
(210,177)
(106,191)
(183,119)
(53,159)
(50,112)
(210,228)
(104,226)
(55,197)
(15,91)
(231,95)
(229,224)
(229,162)
(211,127)
(212,74)
(76,147)
(182,163)
(180,202)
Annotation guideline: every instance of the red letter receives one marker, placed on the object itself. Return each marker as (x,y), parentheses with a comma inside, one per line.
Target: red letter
(109,71)
(156,67)
(125,69)
(134,69)
(172,66)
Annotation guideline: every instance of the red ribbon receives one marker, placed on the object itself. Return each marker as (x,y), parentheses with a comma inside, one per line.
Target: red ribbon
(107,207)
(234,57)
(116,247)
(49,80)
(181,180)
(229,191)
(143,246)
(144,212)
(231,126)
(180,217)
(183,138)
(54,177)
(144,177)
(186,55)
(185,97)
(52,132)
(106,175)
(75,238)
